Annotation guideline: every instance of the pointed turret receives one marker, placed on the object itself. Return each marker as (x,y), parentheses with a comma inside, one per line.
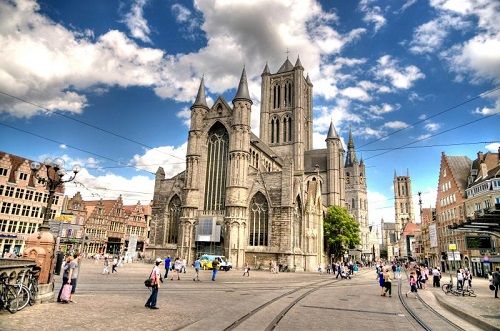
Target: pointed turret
(332,133)
(266,70)
(298,64)
(242,93)
(350,159)
(201,99)
(308,80)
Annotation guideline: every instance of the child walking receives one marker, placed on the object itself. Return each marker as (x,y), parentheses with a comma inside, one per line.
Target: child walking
(413,286)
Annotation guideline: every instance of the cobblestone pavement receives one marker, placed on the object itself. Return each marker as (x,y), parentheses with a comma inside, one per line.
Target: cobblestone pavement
(116,302)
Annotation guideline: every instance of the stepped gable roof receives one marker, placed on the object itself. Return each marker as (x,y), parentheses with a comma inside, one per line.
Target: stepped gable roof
(201,99)
(460,169)
(257,142)
(16,162)
(286,66)
(92,204)
(242,92)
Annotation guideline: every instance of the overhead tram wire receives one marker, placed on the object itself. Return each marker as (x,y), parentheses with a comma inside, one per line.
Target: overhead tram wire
(88,124)
(432,116)
(70,146)
(432,135)
(429,146)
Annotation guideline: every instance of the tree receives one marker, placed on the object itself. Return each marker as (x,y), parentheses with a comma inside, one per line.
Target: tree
(341,231)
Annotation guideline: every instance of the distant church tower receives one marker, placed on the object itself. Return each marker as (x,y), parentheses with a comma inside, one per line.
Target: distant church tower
(356,195)
(403,205)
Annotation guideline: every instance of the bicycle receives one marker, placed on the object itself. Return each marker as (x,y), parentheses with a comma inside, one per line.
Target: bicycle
(8,297)
(33,284)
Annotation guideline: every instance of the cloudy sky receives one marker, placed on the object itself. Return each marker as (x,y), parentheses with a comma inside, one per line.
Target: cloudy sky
(108,84)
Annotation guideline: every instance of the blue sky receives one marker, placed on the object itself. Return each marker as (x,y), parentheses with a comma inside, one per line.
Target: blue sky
(133,68)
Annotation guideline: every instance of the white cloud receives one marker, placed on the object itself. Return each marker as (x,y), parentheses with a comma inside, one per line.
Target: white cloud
(389,69)
(424,136)
(185,115)
(406,5)
(396,125)
(432,127)
(171,158)
(136,22)
(384,108)
(63,146)
(492,147)
(182,14)
(373,14)
(355,93)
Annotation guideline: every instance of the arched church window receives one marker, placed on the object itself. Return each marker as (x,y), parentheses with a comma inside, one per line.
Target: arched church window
(259,221)
(174,214)
(276,96)
(215,184)
(287,102)
(275,130)
(297,224)
(353,203)
(287,128)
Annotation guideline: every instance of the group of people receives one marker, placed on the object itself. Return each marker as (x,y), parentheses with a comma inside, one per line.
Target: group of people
(343,270)
(117,262)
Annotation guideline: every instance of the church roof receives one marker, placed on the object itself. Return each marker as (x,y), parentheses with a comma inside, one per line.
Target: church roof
(351,152)
(286,66)
(242,92)
(201,99)
(308,80)
(262,146)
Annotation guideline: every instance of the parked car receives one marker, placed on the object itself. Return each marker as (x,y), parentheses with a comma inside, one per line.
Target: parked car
(206,262)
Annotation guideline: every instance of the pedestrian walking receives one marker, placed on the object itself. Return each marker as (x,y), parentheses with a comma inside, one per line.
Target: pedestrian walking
(246,270)
(380,277)
(460,280)
(177,268)
(413,285)
(167,266)
(113,266)
(215,267)
(106,266)
(387,282)
(197,266)
(496,281)
(467,278)
(436,277)
(155,285)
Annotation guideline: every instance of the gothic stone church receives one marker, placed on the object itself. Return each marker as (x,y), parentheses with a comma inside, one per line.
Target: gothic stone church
(254,199)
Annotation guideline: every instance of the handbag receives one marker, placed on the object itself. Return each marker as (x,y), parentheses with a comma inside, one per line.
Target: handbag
(149,282)
(492,287)
(66,292)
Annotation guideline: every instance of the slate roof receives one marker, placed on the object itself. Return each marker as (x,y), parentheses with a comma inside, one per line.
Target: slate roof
(315,157)
(259,144)
(286,66)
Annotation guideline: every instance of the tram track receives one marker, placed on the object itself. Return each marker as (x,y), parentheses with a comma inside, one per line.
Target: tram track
(424,324)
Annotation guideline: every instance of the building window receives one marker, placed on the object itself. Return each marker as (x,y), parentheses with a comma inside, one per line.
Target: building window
(9,191)
(297,224)
(26,210)
(287,102)
(174,209)
(215,185)
(35,211)
(29,195)
(16,209)
(12,226)
(19,193)
(259,221)
(23,176)
(3,172)
(275,130)
(3,225)
(276,96)
(287,128)
(5,207)
(38,196)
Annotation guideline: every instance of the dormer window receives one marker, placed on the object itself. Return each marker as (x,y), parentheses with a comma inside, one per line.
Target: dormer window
(23,176)
(3,172)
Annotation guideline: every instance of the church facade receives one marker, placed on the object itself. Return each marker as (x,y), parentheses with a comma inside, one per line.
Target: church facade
(254,199)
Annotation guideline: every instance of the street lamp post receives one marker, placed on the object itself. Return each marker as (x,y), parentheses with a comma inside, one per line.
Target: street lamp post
(41,246)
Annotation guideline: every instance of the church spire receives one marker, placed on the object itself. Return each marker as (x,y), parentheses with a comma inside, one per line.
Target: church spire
(201,99)
(351,153)
(242,92)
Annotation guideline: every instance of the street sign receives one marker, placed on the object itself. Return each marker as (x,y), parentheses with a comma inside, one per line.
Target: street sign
(453,256)
(452,247)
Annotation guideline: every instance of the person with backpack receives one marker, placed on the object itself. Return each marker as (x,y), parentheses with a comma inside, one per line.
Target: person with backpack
(215,267)
(155,277)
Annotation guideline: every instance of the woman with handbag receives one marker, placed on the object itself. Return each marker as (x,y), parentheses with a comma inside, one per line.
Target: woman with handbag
(67,275)
(155,277)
